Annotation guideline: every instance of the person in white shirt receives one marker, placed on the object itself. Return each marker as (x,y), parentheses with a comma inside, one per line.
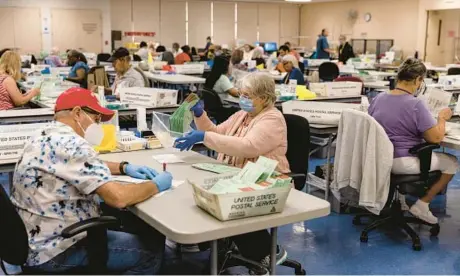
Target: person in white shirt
(143,51)
(176,50)
(248,52)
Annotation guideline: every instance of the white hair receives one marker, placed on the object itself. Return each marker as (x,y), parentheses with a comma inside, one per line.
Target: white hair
(257,53)
(55,51)
(292,59)
(260,85)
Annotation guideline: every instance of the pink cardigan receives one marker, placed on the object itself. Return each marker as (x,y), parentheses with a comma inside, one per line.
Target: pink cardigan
(266,135)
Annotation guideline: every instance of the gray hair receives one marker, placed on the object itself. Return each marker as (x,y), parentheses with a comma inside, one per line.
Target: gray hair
(260,85)
(61,114)
(411,69)
(257,53)
(292,59)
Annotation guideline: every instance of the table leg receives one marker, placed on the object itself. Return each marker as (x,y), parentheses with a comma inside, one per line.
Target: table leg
(10,180)
(214,257)
(328,166)
(274,245)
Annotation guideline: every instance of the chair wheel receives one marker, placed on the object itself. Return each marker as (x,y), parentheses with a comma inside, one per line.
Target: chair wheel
(301,272)
(364,238)
(356,221)
(417,245)
(435,230)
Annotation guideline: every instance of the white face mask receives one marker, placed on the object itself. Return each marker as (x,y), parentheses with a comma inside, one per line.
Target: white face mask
(94,134)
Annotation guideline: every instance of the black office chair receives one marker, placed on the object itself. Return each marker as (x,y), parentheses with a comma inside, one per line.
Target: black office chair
(14,245)
(104,57)
(328,71)
(414,185)
(298,151)
(214,106)
(136,58)
(453,71)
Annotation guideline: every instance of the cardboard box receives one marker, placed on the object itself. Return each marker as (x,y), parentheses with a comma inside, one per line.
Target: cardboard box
(238,205)
(150,97)
(336,89)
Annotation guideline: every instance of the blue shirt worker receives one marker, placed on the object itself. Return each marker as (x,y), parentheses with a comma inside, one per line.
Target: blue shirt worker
(59,180)
(293,73)
(322,46)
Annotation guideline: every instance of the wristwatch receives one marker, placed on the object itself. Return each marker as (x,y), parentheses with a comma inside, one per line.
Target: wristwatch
(122,167)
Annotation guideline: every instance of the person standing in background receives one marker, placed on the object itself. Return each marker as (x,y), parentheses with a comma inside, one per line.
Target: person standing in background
(143,51)
(322,46)
(345,50)
(208,43)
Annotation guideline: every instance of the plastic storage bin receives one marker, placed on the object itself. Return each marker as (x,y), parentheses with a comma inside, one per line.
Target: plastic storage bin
(162,130)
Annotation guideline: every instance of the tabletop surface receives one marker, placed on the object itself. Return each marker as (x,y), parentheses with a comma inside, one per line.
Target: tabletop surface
(175,78)
(176,216)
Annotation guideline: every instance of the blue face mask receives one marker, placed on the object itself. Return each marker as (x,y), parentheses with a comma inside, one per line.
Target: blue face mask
(246,104)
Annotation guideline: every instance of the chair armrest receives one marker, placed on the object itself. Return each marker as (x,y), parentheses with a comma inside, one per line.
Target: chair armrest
(418,149)
(296,175)
(89,224)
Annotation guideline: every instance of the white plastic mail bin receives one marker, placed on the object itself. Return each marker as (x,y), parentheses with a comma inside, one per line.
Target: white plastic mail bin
(324,113)
(189,69)
(162,130)
(336,89)
(237,205)
(150,97)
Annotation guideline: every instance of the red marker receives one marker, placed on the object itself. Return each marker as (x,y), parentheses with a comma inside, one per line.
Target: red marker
(164,167)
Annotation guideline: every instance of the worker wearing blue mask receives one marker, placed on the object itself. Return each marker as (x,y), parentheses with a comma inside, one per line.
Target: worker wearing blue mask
(259,129)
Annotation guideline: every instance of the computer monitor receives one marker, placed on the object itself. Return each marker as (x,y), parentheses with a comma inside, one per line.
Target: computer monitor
(270,47)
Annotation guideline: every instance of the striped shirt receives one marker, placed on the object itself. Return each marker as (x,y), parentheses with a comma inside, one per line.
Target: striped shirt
(5,100)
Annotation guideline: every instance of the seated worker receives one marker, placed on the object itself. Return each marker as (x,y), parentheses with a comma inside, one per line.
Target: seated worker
(408,121)
(218,79)
(258,129)
(59,180)
(282,51)
(176,50)
(54,59)
(126,76)
(184,56)
(258,56)
(293,73)
(143,51)
(10,73)
(236,59)
(293,52)
(248,52)
(79,69)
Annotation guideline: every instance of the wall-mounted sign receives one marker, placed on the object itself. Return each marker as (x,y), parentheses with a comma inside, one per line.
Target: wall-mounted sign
(140,33)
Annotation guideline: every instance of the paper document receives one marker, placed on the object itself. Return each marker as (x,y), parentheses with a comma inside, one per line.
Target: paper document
(269,166)
(250,173)
(437,100)
(167,158)
(127,179)
(175,184)
(215,168)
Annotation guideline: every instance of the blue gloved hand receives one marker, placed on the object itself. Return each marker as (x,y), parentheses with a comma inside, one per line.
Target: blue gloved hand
(198,109)
(190,139)
(163,181)
(141,172)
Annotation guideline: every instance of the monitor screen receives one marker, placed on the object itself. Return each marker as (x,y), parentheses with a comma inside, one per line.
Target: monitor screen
(271,47)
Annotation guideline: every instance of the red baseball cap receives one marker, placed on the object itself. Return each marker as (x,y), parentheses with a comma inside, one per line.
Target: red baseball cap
(81,97)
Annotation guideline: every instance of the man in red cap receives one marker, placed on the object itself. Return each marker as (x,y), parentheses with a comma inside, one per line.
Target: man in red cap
(55,184)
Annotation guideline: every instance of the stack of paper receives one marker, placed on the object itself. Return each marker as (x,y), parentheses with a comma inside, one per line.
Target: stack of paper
(215,168)
(254,176)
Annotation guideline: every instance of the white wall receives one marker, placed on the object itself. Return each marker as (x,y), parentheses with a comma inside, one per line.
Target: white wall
(47,5)
(391,19)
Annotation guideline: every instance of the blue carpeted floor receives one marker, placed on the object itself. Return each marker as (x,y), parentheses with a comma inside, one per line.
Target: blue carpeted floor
(331,245)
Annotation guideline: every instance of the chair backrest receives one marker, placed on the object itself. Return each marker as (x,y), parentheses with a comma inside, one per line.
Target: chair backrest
(453,71)
(328,71)
(14,244)
(298,136)
(103,57)
(347,78)
(213,104)
(146,80)
(136,58)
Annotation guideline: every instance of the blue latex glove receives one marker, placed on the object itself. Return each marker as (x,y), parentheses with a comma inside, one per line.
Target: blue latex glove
(141,172)
(190,139)
(163,181)
(198,109)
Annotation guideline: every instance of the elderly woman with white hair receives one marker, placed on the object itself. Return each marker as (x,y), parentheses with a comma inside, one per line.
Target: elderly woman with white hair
(259,129)
(291,65)
(54,59)
(258,56)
